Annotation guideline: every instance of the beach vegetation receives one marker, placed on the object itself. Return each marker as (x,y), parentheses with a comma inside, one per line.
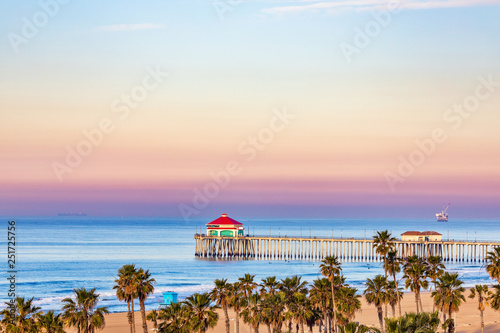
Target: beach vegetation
(375,293)
(331,269)
(82,311)
(424,322)
(482,294)
(448,297)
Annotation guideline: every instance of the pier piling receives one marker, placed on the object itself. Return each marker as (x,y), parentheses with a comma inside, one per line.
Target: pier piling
(347,249)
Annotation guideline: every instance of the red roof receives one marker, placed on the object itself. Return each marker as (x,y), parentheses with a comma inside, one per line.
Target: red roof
(431,233)
(224,220)
(418,233)
(411,233)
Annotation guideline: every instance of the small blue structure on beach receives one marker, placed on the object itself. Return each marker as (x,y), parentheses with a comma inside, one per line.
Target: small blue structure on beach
(169,297)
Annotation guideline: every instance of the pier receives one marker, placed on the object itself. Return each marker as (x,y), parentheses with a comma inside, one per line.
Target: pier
(347,249)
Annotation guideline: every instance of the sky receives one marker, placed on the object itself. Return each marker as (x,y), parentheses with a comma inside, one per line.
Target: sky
(263,108)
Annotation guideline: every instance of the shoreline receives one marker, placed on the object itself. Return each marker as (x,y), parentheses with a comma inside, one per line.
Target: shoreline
(466,320)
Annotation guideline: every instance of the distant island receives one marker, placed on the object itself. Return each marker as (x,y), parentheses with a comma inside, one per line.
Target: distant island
(72,214)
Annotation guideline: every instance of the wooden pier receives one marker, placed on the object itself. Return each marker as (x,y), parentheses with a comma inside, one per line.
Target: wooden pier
(347,249)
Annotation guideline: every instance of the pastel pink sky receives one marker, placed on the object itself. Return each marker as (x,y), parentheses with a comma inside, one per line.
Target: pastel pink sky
(351,121)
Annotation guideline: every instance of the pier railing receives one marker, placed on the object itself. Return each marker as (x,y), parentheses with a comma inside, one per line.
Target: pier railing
(347,249)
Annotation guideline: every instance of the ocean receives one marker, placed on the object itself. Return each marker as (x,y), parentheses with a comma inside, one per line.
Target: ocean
(54,255)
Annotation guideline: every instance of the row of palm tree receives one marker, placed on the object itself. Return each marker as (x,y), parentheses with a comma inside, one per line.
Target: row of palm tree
(288,304)
(448,293)
(276,304)
(80,312)
(134,283)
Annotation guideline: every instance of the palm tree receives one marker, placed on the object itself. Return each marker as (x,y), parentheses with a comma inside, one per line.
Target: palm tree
(383,242)
(247,284)
(435,268)
(221,295)
(414,273)
(126,291)
(357,328)
(203,315)
(375,294)
(347,304)
(153,317)
(413,323)
(274,310)
(50,323)
(144,287)
(175,319)
(330,268)
(483,295)
(269,285)
(302,310)
(493,267)
(252,314)
(19,316)
(448,297)
(494,297)
(291,286)
(321,297)
(394,296)
(393,266)
(83,312)
(236,302)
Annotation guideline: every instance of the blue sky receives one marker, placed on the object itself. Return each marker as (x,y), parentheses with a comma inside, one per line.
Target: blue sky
(355,114)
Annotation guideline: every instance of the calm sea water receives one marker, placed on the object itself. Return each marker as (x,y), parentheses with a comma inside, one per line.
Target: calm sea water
(57,254)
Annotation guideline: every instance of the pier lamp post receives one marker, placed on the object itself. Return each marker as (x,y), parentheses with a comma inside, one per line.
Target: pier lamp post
(279,231)
(300,232)
(310,235)
(269,231)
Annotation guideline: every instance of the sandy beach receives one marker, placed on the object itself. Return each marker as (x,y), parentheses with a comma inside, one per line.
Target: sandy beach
(467,320)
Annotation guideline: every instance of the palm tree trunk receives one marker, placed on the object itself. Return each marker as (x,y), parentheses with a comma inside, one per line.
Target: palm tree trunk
(397,293)
(380,318)
(237,322)
(143,315)
(334,311)
(133,317)
(416,301)
(385,273)
(393,306)
(433,305)
(129,316)
(227,320)
(451,325)
(420,301)
(302,328)
(268,328)
(325,323)
(482,322)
